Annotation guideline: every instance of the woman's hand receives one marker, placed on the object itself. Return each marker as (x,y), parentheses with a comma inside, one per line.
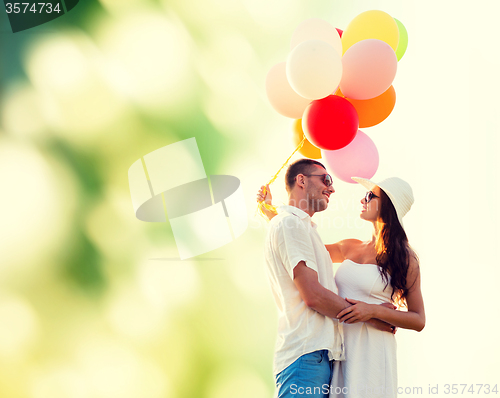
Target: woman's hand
(358,312)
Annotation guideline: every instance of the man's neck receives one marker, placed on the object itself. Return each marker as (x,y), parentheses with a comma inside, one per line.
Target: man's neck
(301,204)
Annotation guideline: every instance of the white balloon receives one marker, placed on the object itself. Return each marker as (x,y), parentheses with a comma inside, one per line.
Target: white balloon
(314,69)
(281,96)
(316,29)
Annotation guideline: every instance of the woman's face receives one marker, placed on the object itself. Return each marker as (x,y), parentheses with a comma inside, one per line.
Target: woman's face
(371,209)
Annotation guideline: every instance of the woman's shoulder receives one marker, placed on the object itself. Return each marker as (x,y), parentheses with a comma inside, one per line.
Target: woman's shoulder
(413,257)
(339,250)
(350,243)
(347,246)
(413,264)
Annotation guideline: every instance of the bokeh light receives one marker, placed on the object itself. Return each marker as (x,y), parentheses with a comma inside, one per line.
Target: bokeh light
(159,283)
(230,382)
(59,382)
(148,58)
(22,113)
(113,369)
(36,207)
(23,327)
(67,70)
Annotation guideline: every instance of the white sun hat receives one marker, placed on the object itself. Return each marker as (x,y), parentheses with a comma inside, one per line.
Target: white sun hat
(398,190)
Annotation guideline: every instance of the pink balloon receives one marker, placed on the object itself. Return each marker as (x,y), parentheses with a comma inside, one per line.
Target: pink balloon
(281,95)
(358,159)
(369,68)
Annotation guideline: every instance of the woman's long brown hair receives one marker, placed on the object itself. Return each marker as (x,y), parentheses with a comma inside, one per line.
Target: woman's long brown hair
(393,250)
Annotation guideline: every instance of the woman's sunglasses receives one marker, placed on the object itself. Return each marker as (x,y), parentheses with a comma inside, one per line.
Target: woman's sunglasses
(369,196)
(327,178)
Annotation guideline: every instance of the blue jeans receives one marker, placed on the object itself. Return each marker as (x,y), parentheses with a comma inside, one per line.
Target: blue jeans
(308,377)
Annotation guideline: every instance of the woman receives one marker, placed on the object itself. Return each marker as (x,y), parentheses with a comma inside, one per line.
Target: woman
(381,270)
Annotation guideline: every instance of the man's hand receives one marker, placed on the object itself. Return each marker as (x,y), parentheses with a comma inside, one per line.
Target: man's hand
(264,195)
(359,311)
(363,312)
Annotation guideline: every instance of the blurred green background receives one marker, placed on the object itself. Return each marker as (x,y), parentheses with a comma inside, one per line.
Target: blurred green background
(92,304)
(92,301)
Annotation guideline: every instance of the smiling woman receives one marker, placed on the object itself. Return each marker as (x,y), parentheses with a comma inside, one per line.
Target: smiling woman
(382,270)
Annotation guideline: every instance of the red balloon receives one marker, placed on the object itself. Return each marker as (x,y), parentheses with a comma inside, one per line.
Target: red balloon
(330,123)
(340,32)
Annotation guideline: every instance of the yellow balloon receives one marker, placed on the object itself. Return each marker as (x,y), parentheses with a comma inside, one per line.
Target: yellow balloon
(373,24)
(308,150)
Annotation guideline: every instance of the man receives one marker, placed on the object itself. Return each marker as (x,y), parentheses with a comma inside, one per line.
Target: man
(301,277)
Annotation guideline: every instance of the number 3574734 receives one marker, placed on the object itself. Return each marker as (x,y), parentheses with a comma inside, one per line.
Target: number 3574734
(32,7)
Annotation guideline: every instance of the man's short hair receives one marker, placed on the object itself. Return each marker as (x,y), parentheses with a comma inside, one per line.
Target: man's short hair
(301,166)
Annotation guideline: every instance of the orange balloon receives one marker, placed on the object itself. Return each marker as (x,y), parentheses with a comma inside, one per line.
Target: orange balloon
(375,110)
(308,150)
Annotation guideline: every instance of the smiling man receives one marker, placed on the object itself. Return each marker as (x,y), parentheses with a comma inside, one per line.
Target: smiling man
(301,276)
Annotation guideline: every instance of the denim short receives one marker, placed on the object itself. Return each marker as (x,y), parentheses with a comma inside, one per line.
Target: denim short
(308,377)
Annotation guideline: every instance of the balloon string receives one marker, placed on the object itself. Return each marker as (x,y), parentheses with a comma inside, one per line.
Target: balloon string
(263,204)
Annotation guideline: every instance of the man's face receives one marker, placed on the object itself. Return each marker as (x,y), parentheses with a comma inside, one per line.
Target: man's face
(318,193)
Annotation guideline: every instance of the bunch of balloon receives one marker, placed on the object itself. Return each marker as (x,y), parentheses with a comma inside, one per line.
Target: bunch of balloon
(335,82)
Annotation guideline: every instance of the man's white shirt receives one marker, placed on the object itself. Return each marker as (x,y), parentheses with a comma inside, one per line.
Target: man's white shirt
(292,237)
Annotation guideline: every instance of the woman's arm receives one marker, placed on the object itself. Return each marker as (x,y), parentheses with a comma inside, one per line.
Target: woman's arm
(335,250)
(414,318)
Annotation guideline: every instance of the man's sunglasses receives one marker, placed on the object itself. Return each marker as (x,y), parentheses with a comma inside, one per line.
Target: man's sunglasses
(327,178)
(369,196)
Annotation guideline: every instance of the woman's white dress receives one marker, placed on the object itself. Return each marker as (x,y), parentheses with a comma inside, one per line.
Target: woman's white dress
(370,368)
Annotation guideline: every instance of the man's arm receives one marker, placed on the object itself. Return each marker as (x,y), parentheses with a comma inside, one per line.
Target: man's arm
(267,199)
(316,296)
(295,246)
(322,300)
